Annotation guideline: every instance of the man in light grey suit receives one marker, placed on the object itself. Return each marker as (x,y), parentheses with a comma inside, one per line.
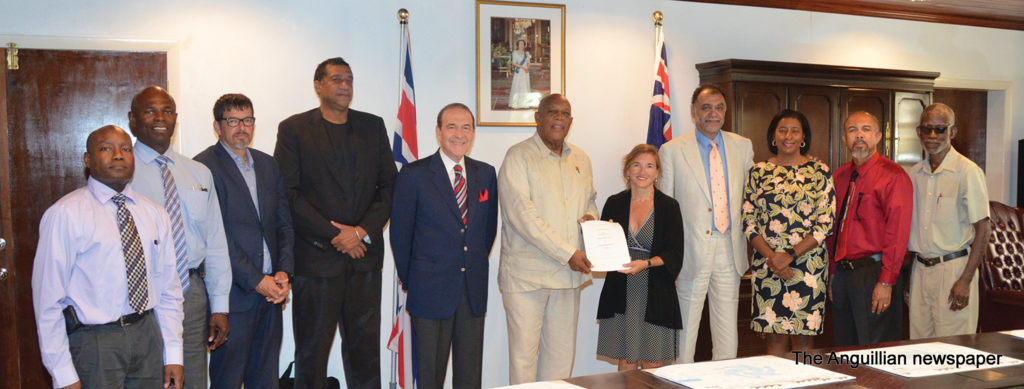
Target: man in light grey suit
(705,169)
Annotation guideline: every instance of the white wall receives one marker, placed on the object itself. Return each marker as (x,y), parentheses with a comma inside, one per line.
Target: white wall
(267,49)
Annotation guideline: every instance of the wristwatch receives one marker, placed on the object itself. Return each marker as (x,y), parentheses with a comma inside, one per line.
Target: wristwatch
(791,252)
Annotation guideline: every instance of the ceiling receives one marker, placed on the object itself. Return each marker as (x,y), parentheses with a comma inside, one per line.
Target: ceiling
(1003,14)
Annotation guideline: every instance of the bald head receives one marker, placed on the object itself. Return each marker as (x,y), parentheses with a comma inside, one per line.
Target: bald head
(109,157)
(939,110)
(153,117)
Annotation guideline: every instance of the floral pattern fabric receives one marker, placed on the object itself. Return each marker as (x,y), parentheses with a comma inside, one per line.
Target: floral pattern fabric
(783,205)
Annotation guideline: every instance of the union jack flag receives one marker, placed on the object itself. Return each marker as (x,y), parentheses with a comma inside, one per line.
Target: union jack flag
(659,128)
(402,340)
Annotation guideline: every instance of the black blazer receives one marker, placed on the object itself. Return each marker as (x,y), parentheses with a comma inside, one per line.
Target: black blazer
(434,251)
(315,183)
(662,303)
(244,228)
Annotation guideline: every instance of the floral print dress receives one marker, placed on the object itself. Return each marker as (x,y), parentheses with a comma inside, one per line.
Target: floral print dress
(783,204)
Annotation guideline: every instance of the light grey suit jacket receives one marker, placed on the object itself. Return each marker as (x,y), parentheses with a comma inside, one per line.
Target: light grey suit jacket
(683,178)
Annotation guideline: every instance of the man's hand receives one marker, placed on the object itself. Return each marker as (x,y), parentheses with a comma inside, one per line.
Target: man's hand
(358,252)
(76,385)
(281,279)
(880,298)
(269,288)
(588,217)
(174,376)
(218,330)
(578,262)
(959,295)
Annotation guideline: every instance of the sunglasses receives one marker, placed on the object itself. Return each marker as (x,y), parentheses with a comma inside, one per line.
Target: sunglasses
(939,130)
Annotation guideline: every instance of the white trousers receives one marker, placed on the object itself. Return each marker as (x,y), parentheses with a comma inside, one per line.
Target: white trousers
(930,315)
(718,281)
(541,333)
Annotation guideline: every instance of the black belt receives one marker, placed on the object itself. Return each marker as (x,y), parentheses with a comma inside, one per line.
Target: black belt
(854,264)
(129,319)
(72,324)
(937,260)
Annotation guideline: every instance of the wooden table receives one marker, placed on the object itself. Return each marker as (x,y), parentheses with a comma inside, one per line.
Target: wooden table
(867,377)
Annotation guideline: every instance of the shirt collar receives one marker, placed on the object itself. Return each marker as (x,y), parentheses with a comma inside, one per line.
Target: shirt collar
(104,193)
(950,162)
(872,161)
(449,164)
(147,155)
(566,149)
(238,160)
(705,142)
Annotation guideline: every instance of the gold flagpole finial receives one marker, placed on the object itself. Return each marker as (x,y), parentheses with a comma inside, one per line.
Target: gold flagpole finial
(657,18)
(403,15)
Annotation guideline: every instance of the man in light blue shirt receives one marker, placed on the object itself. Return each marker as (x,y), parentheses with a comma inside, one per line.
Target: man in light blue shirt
(107,315)
(258,225)
(196,225)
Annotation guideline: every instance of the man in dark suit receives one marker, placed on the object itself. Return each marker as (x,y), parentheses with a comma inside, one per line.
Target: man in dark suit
(339,174)
(443,223)
(258,225)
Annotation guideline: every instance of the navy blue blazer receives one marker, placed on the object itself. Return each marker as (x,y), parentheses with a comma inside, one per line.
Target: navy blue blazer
(436,255)
(245,229)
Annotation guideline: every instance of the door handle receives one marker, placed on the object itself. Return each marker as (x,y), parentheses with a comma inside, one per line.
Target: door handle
(3,273)
(3,244)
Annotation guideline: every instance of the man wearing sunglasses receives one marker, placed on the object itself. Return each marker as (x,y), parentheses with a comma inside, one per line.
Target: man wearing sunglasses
(949,231)
(869,240)
(258,225)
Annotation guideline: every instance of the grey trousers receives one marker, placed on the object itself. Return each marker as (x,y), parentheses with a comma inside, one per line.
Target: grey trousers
(112,357)
(196,332)
(463,335)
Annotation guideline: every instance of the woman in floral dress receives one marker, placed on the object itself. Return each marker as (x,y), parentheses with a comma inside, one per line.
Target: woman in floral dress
(788,208)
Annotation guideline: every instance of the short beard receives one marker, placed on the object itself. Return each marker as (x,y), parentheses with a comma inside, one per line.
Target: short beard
(860,154)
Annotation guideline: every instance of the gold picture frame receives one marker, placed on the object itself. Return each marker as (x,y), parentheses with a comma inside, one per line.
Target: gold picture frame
(520,58)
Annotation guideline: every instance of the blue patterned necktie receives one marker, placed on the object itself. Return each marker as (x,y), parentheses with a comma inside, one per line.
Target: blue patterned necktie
(134,258)
(460,193)
(173,206)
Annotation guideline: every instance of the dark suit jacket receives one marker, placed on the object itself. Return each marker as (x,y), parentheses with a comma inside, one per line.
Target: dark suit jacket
(244,228)
(434,251)
(315,181)
(662,303)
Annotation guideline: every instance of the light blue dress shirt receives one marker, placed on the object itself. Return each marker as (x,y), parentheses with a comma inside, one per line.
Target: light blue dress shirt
(704,144)
(204,226)
(249,175)
(80,262)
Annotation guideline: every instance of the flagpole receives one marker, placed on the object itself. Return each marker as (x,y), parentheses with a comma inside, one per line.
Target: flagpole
(403,22)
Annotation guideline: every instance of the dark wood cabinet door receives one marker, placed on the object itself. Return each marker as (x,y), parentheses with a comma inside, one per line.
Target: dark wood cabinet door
(755,106)
(820,104)
(878,102)
(48,107)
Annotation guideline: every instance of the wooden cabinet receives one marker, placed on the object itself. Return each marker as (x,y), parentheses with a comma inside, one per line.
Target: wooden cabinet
(758,90)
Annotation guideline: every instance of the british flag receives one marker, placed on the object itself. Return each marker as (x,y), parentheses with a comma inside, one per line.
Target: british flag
(659,128)
(402,340)
(404,147)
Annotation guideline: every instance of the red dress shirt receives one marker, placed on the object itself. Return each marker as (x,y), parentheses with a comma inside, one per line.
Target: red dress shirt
(878,220)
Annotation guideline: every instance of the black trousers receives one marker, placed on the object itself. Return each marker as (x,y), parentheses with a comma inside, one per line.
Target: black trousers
(349,302)
(463,334)
(854,323)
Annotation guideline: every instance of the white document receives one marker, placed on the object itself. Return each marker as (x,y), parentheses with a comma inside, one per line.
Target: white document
(543,385)
(1017,333)
(605,244)
(927,359)
(763,372)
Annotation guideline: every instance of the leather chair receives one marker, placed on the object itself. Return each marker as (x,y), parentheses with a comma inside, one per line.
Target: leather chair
(1002,272)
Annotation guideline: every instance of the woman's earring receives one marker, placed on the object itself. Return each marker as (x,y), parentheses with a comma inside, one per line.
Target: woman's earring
(773,142)
(803,144)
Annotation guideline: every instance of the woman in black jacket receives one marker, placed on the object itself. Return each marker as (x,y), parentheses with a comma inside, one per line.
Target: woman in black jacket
(638,311)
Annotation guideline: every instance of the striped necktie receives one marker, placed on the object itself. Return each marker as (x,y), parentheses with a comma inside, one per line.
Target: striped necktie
(173,206)
(134,258)
(460,193)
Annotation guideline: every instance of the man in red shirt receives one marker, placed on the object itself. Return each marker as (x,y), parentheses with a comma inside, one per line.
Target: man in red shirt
(869,240)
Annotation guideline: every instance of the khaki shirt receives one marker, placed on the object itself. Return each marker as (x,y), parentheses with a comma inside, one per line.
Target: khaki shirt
(543,195)
(947,203)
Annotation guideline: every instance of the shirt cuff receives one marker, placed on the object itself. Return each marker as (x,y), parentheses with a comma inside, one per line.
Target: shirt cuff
(64,375)
(888,277)
(219,304)
(173,355)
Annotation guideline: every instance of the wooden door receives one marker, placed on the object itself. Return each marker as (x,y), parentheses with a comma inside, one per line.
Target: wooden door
(48,107)
(755,106)
(971,109)
(878,102)
(820,104)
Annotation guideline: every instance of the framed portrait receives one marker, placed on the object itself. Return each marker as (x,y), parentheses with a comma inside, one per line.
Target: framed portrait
(520,58)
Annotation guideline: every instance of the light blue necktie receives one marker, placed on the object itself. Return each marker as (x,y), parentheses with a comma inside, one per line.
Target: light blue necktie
(173,205)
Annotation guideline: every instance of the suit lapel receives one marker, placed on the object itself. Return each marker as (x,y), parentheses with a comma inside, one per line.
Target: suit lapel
(234,177)
(691,153)
(735,163)
(443,186)
(263,193)
(472,186)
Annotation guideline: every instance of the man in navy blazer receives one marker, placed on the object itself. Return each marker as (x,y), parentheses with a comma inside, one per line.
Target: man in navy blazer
(258,225)
(441,250)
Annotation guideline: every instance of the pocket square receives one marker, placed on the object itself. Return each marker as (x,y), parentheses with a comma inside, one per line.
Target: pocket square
(483,196)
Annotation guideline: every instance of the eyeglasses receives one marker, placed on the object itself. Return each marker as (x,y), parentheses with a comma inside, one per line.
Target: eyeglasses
(939,130)
(248,122)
